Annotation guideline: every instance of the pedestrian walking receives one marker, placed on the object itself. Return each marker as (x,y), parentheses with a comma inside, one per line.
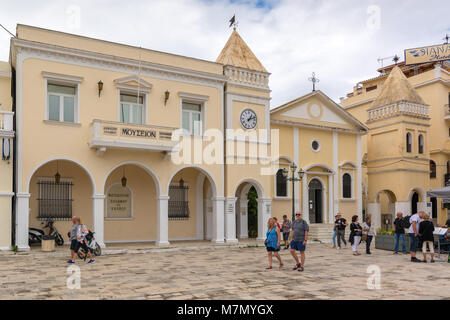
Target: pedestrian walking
(273,242)
(368,233)
(334,232)
(74,244)
(399,233)
(286,229)
(300,231)
(413,232)
(355,235)
(426,229)
(341,223)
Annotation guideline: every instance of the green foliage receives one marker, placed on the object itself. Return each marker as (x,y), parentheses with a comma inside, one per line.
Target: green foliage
(388,232)
(252,213)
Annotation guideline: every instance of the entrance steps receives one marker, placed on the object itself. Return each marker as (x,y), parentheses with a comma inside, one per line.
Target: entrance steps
(321,231)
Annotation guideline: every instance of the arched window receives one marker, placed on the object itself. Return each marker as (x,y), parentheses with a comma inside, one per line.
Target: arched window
(346,186)
(448,167)
(408,142)
(420,144)
(432,169)
(281,184)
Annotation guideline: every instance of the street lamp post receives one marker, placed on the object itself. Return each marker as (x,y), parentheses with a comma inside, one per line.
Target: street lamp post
(293,179)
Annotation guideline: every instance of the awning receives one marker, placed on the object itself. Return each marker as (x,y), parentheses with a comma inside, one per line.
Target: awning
(440,193)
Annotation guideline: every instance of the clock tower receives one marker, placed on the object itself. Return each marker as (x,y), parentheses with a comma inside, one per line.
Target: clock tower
(247,138)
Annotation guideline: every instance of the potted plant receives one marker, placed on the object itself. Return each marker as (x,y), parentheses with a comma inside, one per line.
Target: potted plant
(385,240)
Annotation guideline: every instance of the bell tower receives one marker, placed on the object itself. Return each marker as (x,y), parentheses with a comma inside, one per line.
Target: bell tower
(247,133)
(397,150)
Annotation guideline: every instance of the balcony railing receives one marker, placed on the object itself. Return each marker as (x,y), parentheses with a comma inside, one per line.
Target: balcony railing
(397,109)
(109,134)
(6,124)
(246,77)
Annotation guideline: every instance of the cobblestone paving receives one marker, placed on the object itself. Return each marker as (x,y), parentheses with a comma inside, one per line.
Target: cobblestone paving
(224,273)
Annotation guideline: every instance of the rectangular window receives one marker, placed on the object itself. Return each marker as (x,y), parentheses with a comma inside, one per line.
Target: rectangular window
(61,102)
(55,199)
(132,109)
(178,202)
(192,118)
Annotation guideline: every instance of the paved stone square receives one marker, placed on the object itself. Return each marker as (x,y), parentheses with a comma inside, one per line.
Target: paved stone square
(216,272)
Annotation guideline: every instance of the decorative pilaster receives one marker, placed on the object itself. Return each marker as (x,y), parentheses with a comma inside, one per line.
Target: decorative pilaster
(230,220)
(162,221)
(22,220)
(98,214)
(264,213)
(218,220)
(305,197)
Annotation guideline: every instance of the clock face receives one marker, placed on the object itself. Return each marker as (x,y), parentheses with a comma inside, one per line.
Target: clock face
(249,119)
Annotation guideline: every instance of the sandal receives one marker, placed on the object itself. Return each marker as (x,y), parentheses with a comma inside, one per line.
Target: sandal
(296,266)
(301,269)
(269,268)
(281,265)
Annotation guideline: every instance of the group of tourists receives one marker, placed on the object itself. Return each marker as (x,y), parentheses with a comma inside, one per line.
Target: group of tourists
(420,228)
(77,236)
(295,236)
(358,233)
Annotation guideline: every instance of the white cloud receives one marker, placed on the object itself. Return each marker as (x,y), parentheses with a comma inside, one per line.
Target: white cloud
(291,38)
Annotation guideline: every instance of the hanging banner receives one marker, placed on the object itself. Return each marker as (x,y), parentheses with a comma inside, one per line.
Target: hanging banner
(420,55)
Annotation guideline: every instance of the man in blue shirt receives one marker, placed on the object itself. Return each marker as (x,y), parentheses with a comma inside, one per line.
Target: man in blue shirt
(300,231)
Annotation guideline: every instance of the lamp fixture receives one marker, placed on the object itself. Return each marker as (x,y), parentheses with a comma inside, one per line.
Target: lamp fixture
(166,96)
(57,175)
(181,183)
(124,179)
(100,87)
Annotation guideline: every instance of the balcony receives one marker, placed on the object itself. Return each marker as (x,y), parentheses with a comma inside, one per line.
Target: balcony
(118,135)
(447,112)
(6,124)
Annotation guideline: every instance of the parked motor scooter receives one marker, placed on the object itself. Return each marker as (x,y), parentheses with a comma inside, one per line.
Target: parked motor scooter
(91,245)
(35,235)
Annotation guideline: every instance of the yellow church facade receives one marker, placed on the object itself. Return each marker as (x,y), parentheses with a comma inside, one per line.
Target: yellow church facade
(406,151)
(147,146)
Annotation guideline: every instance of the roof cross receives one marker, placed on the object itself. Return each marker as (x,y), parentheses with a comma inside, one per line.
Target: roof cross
(446,38)
(314,80)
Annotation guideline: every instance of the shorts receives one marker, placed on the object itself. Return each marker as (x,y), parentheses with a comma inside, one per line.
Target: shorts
(272,249)
(298,245)
(75,245)
(414,242)
(286,235)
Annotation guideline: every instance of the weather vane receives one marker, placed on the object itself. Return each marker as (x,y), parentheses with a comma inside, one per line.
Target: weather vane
(233,22)
(396,58)
(446,39)
(314,80)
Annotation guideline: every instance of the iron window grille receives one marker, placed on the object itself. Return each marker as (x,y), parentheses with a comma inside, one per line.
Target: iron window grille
(55,199)
(178,203)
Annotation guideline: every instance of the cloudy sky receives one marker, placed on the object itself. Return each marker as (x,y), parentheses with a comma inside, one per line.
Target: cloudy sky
(339,40)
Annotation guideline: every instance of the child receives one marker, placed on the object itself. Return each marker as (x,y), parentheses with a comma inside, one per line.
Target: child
(426,229)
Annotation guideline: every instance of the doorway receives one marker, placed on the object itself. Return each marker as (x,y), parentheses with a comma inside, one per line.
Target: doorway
(315,201)
(414,200)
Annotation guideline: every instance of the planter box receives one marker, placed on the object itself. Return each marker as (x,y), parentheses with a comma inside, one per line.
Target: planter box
(48,245)
(387,242)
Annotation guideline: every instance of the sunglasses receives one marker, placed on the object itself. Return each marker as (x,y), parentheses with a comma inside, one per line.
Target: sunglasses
(298,215)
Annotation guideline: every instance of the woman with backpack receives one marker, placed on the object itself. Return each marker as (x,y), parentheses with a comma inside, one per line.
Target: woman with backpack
(355,235)
(273,242)
(426,229)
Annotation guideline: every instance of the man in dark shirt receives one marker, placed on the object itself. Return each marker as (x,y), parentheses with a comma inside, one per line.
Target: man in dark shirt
(399,233)
(341,224)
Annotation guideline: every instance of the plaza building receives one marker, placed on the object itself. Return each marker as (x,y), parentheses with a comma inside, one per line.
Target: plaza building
(407,149)
(147,146)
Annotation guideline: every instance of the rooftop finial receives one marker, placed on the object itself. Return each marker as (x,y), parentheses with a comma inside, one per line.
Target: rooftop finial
(446,39)
(314,80)
(233,22)
(396,58)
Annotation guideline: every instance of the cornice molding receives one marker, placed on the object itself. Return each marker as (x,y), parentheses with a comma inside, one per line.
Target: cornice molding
(314,126)
(55,53)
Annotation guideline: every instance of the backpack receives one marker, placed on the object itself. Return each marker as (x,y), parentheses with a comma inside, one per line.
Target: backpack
(405,223)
